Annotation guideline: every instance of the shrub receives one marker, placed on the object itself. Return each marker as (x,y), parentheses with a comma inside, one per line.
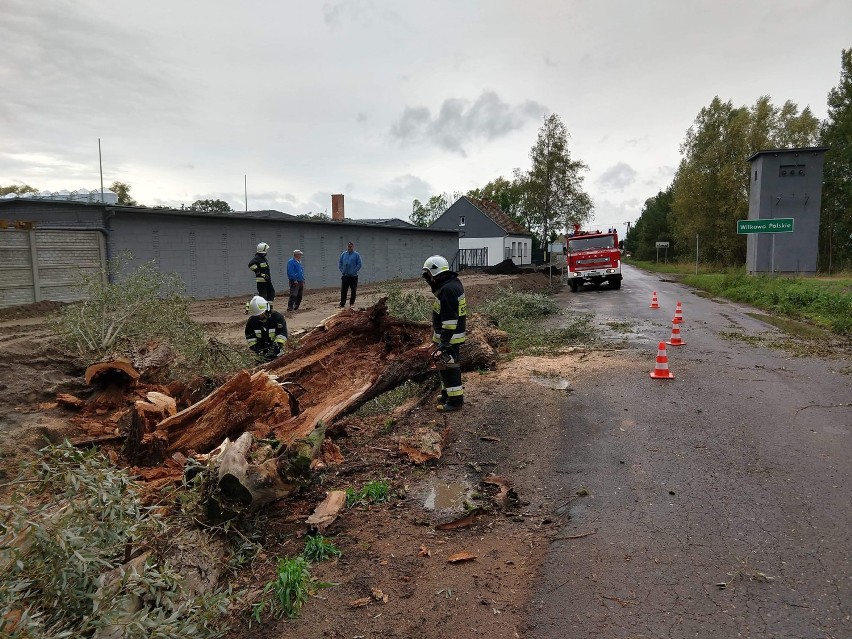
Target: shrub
(68,532)
(406,305)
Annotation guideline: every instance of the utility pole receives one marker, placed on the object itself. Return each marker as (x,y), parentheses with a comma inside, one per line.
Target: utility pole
(245,186)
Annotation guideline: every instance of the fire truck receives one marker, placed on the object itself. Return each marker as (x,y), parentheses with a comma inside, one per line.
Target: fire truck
(593,257)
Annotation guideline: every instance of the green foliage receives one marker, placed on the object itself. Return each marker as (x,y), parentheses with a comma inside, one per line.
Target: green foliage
(318,548)
(424,214)
(64,541)
(836,133)
(389,400)
(374,492)
(287,592)
(126,310)
(553,187)
(122,190)
(211,206)
(519,313)
(407,305)
(652,227)
(827,303)
(710,190)
(19,189)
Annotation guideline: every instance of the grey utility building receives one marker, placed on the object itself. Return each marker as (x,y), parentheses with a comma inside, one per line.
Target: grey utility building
(45,243)
(785,183)
(485,230)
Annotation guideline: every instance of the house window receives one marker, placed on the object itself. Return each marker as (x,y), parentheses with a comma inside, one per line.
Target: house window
(461,220)
(514,249)
(526,249)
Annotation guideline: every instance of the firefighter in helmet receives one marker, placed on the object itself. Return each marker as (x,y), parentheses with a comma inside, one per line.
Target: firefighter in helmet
(262,276)
(266,330)
(449,316)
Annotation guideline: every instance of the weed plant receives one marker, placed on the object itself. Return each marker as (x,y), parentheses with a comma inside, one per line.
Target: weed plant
(64,543)
(374,492)
(287,592)
(318,548)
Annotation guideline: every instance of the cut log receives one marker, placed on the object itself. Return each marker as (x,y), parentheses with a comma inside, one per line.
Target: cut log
(118,370)
(143,446)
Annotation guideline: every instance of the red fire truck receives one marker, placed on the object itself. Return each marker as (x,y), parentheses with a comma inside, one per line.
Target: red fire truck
(593,257)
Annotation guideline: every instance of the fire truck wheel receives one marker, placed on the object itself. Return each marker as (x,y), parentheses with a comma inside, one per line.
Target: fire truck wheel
(615,283)
(575,286)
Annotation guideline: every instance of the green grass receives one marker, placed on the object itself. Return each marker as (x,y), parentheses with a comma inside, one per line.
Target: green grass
(287,592)
(407,305)
(824,302)
(318,548)
(374,492)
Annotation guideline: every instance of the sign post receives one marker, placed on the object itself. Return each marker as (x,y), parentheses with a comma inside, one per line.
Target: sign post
(663,245)
(766,225)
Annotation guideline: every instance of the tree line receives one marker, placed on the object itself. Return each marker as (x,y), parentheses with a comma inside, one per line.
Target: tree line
(544,199)
(709,192)
(122,192)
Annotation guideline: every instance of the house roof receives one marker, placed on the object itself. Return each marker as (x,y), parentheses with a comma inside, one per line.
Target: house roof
(807,149)
(393,221)
(491,210)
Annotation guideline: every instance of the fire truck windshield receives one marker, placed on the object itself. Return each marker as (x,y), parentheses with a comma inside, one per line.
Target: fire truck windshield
(594,242)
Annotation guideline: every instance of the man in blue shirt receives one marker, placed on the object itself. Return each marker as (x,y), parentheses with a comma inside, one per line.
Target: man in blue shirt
(296,276)
(349,265)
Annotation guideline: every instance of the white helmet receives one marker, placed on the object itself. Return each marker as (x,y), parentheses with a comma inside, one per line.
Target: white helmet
(263,248)
(436,264)
(257,306)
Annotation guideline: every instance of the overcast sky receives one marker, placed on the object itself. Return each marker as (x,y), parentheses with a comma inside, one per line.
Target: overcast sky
(386,101)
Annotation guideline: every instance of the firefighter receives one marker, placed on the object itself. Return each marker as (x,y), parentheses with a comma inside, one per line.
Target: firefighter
(262,276)
(449,316)
(266,330)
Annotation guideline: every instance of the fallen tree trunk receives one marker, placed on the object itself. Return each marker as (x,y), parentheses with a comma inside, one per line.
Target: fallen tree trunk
(351,358)
(248,478)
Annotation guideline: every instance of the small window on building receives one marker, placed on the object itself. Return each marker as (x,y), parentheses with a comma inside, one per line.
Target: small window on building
(755,176)
(790,170)
(461,220)
(514,249)
(526,249)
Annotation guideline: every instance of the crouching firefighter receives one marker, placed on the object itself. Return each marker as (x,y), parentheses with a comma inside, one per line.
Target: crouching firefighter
(266,330)
(449,316)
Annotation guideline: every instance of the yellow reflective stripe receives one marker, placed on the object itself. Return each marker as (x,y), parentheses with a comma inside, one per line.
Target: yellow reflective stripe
(281,339)
(253,267)
(455,391)
(271,333)
(263,265)
(449,324)
(260,279)
(457,338)
(251,341)
(258,332)
(462,306)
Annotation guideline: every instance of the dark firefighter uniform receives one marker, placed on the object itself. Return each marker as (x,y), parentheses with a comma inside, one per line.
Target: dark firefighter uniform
(266,334)
(449,318)
(262,276)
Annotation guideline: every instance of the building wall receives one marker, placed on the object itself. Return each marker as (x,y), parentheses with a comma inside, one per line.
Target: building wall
(211,254)
(499,247)
(786,184)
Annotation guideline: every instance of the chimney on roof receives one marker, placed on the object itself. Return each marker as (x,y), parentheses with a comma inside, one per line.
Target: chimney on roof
(337,207)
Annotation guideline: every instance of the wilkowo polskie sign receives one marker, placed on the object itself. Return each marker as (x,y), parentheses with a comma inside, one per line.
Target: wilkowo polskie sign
(769,225)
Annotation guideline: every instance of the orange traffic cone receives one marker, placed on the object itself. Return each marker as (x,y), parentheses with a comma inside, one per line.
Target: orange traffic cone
(678,318)
(675,339)
(654,303)
(661,370)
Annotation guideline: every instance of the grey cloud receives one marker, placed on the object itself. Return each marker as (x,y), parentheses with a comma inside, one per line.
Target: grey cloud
(406,188)
(618,177)
(67,67)
(458,123)
(358,11)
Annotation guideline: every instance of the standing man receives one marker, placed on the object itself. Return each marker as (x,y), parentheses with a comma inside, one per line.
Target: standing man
(349,265)
(296,276)
(449,317)
(266,330)
(262,276)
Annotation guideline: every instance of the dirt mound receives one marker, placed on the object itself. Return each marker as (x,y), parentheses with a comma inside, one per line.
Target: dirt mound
(23,311)
(506,267)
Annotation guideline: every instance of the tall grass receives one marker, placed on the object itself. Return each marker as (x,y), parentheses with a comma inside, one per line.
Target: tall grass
(825,302)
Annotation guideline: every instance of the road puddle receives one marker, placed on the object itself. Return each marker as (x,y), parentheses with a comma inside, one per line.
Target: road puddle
(442,494)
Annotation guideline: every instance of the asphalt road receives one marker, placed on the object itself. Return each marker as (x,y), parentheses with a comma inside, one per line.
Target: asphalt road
(738,471)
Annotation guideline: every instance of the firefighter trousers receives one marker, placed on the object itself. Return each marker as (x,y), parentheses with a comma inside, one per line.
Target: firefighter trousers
(452,389)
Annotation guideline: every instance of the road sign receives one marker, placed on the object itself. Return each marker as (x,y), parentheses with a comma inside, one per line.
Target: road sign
(662,245)
(769,225)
